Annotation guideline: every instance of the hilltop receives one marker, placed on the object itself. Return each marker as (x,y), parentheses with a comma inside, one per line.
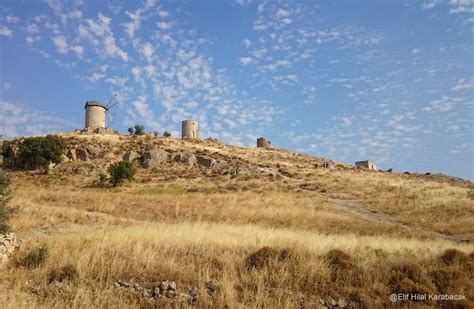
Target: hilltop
(233,226)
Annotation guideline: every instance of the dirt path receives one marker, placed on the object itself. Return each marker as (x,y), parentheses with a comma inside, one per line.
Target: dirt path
(357,208)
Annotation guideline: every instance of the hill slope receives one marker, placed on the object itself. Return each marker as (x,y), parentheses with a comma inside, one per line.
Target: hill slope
(233,226)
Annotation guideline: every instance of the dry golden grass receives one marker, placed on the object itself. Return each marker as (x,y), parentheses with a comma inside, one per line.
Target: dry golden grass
(351,234)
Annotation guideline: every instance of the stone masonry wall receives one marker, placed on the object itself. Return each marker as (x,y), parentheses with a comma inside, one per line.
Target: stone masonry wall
(8,244)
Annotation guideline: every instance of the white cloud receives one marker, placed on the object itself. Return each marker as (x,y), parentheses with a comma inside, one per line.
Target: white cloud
(18,120)
(31,39)
(79,50)
(147,51)
(444,104)
(92,31)
(462,2)
(415,51)
(164,14)
(282,13)
(464,85)
(163,25)
(6,31)
(61,45)
(96,77)
(132,26)
(242,2)
(429,5)
(247,43)
(245,60)
(32,28)
(12,19)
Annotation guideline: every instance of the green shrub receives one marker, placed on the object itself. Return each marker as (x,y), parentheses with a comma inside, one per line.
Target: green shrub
(131,131)
(120,171)
(5,212)
(35,257)
(40,152)
(167,134)
(139,130)
(6,150)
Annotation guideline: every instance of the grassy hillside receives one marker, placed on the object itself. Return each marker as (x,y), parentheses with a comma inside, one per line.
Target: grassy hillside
(261,228)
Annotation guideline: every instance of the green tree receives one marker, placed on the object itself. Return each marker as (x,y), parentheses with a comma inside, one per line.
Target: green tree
(131,131)
(167,134)
(39,152)
(139,130)
(120,171)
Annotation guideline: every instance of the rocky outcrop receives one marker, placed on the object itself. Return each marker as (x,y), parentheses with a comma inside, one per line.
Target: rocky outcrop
(205,161)
(131,155)
(85,153)
(184,158)
(154,158)
(165,290)
(8,244)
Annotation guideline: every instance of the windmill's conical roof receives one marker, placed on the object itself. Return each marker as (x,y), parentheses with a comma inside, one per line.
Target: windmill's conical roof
(95,103)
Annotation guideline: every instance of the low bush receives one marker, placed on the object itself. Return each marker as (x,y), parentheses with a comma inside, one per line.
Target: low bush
(120,171)
(265,257)
(35,258)
(40,152)
(65,273)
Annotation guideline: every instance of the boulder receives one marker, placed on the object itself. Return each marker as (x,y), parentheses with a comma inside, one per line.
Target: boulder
(94,151)
(206,161)
(187,159)
(8,244)
(154,158)
(71,154)
(82,154)
(64,158)
(130,156)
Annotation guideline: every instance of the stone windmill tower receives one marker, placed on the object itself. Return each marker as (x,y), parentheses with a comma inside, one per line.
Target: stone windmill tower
(95,114)
(190,129)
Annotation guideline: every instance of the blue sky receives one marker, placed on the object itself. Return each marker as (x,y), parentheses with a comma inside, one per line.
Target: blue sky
(390,81)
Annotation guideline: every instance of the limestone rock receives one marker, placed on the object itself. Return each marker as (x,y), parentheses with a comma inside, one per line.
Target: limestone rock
(213,288)
(187,159)
(82,154)
(71,154)
(8,244)
(93,151)
(154,158)
(206,161)
(130,155)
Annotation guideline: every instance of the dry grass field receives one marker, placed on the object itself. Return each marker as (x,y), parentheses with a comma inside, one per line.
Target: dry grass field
(276,234)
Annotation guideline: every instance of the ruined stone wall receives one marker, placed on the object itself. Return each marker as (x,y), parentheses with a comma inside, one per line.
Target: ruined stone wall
(8,244)
(95,117)
(263,143)
(190,129)
(367,164)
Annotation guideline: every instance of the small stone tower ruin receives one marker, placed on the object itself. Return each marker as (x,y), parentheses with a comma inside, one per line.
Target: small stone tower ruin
(263,143)
(190,129)
(367,164)
(95,114)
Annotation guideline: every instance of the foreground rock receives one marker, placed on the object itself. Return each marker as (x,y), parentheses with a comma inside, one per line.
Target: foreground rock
(206,161)
(154,158)
(8,244)
(168,290)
